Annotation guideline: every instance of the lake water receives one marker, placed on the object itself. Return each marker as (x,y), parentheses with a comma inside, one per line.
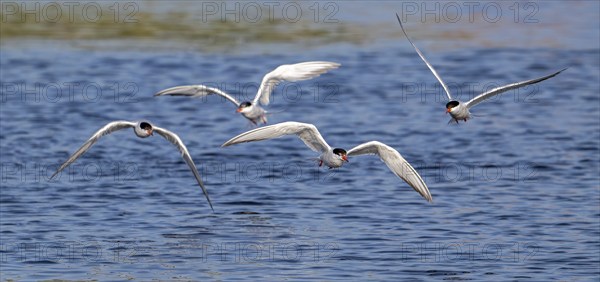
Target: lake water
(516,189)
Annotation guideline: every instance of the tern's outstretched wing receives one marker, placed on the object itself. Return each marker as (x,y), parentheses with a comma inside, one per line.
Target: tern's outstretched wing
(173,138)
(295,72)
(397,164)
(482,97)
(196,91)
(107,129)
(426,62)
(307,132)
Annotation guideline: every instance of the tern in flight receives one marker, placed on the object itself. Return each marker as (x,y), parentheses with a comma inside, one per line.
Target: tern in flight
(336,157)
(141,129)
(460,110)
(251,109)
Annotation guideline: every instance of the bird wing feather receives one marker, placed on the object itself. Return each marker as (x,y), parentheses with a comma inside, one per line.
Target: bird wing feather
(489,94)
(196,91)
(107,129)
(294,72)
(308,133)
(396,163)
(175,140)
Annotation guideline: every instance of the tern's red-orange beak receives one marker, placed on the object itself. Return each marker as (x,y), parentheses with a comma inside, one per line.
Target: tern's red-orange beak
(345,158)
(448,110)
(149,131)
(239,110)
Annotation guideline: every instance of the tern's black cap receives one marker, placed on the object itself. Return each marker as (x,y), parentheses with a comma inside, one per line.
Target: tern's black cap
(452,104)
(145,125)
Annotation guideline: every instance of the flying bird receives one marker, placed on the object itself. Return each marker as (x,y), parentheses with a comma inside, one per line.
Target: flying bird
(142,129)
(252,109)
(460,110)
(336,157)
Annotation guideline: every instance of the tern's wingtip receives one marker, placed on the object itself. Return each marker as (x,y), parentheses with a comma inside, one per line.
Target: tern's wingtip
(428,197)
(53,175)
(209,203)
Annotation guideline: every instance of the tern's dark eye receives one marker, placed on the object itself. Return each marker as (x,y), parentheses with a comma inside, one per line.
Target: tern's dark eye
(339,151)
(145,126)
(451,104)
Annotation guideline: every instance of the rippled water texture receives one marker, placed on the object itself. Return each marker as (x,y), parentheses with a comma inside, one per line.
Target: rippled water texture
(515,189)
